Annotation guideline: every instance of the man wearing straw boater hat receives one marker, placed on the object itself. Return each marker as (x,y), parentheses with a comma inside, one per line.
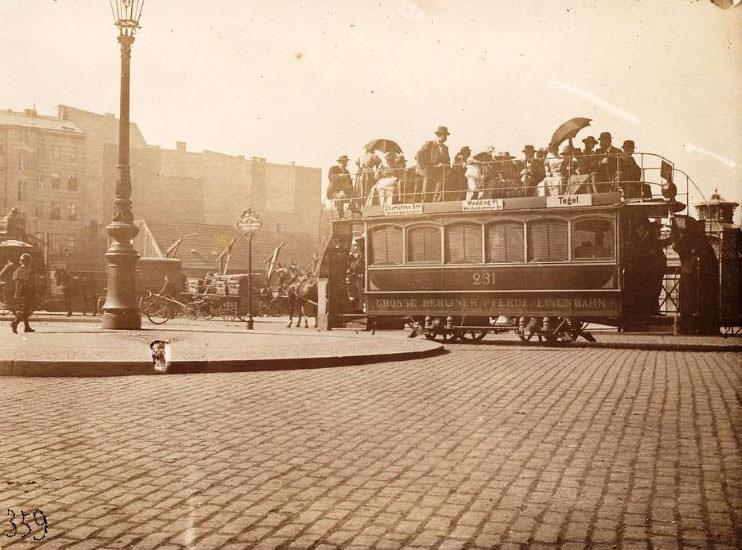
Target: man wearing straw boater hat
(433,161)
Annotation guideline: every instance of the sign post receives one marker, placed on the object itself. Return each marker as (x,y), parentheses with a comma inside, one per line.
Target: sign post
(249,224)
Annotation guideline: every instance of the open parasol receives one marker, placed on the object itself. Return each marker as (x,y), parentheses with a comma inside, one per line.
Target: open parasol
(384,145)
(568,130)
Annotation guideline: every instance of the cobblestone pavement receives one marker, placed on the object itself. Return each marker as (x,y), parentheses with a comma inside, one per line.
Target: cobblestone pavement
(477,449)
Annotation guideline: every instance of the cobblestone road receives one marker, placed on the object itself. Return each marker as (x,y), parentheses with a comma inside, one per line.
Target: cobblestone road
(481,448)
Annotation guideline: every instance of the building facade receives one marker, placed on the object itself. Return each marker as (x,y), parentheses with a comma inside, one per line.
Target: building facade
(42,173)
(60,171)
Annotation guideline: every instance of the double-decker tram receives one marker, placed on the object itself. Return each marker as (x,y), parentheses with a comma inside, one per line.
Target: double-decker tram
(543,262)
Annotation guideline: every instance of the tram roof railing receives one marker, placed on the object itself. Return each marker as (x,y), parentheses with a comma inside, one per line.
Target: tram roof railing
(648,180)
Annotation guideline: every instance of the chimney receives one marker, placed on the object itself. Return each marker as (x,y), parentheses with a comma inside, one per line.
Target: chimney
(180,146)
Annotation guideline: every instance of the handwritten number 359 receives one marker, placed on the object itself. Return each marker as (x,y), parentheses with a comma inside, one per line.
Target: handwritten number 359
(39,518)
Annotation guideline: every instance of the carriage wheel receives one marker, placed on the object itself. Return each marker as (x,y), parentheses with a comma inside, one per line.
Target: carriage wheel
(228,310)
(159,312)
(471,335)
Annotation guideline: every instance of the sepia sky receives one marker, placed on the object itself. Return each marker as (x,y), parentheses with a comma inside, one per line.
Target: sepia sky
(306,81)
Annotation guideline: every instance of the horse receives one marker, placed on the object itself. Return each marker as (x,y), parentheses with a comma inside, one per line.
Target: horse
(76,288)
(301,290)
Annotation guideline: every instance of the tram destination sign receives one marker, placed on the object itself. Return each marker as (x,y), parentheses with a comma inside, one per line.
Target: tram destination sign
(482,204)
(411,209)
(583,304)
(563,201)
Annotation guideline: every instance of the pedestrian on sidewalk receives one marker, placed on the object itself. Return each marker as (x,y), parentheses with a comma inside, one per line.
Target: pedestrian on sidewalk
(24,293)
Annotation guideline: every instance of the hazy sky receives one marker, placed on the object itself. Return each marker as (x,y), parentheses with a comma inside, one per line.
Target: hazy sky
(307,81)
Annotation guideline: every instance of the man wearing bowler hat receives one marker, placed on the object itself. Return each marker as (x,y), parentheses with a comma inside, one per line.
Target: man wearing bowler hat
(433,162)
(607,161)
(631,174)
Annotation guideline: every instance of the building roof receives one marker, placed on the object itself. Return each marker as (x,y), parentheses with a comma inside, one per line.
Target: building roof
(30,120)
(203,243)
(716,199)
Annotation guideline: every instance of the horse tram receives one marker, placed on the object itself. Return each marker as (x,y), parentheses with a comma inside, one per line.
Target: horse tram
(549,262)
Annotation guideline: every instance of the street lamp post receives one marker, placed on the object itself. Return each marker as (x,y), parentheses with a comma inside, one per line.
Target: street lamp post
(120,310)
(249,224)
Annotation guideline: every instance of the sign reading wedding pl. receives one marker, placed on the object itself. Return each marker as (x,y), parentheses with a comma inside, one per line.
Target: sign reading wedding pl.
(482,204)
(410,209)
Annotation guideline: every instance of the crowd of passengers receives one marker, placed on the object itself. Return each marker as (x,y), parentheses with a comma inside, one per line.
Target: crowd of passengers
(386,179)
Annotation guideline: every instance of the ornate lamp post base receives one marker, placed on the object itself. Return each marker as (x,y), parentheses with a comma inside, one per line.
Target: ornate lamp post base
(120,310)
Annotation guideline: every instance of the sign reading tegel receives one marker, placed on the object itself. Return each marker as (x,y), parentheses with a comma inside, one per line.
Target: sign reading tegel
(403,209)
(569,200)
(482,204)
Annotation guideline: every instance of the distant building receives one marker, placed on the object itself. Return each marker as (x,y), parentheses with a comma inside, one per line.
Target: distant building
(42,173)
(61,172)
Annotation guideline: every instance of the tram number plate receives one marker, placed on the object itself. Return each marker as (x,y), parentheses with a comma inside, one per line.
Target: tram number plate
(483,278)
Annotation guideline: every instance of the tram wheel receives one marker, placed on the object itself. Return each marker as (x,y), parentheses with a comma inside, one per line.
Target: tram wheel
(471,335)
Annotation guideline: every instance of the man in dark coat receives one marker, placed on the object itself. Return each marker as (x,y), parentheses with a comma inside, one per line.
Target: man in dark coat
(340,188)
(608,161)
(24,294)
(456,191)
(631,173)
(433,163)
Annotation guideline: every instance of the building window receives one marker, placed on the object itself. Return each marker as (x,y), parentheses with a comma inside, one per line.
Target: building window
(2,148)
(592,238)
(504,242)
(19,193)
(21,160)
(56,152)
(72,183)
(547,241)
(464,244)
(54,242)
(73,155)
(72,211)
(424,244)
(55,180)
(38,209)
(54,211)
(386,246)
(69,243)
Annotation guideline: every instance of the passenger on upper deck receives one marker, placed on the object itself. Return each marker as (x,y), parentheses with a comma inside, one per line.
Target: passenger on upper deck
(531,171)
(456,189)
(588,162)
(367,165)
(608,162)
(553,177)
(387,188)
(433,163)
(631,174)
(340,188)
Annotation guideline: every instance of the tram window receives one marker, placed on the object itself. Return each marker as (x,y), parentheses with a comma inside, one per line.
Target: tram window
(386,246)
(464,244)
(505,242)
(592,238)
(424,244)
(547,241)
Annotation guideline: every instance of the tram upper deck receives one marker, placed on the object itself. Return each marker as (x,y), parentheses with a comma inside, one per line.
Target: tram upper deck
(509,185)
